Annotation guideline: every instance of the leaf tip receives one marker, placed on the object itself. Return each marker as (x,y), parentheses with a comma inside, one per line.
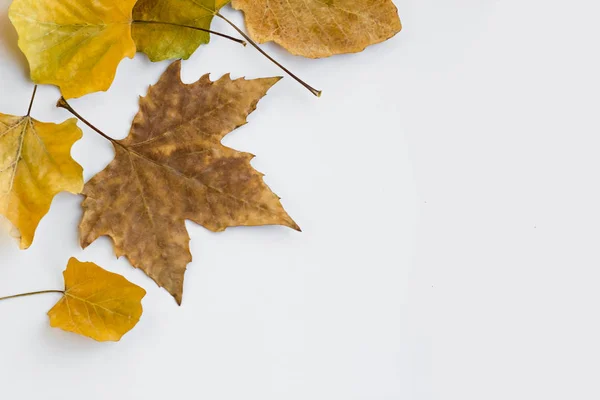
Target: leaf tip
(295,226)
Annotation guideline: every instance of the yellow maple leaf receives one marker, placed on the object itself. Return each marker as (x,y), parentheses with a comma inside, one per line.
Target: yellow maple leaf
(35,165)
(97,303)
(74,44)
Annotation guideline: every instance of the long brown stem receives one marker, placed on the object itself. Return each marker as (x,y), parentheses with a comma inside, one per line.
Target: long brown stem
(243,43)
(31,294)
(306,85)
(31,102)
(62,103)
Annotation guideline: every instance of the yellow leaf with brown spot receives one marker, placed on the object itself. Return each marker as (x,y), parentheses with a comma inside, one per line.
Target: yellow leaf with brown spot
(321,28)
(74,44)
(35,165)
(97,303)
(172,167)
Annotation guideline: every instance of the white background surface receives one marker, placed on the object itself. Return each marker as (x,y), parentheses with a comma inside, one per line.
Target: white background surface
(447,186)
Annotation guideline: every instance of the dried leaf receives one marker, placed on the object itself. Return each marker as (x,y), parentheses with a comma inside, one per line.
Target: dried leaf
(35,165)
(321,28)
(173,167)
(74,44)
(169,38)
(97,303)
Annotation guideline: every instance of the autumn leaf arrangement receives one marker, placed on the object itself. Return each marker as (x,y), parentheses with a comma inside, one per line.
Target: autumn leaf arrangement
(172,166)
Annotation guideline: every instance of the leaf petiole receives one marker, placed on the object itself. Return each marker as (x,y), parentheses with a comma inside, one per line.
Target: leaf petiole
(31,294)
(243,43)
(300,81)
(31,102)
(62,103)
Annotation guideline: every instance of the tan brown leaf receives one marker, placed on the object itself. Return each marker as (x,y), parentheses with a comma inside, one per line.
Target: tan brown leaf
(97,303)
(173,167)
(321,28)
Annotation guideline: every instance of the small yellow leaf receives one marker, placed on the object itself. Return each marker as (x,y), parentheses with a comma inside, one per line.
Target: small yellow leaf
(35,165)
(74,44)
(97,303)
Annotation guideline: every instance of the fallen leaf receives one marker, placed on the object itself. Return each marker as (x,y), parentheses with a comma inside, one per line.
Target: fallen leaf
(74,44)
(170,37)
(173,167)
(97,303)
(35,165)
(321,28)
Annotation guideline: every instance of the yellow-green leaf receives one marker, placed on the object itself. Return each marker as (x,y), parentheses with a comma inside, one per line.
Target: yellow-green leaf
(74,44)
(97,303)
(161,28)
(35,165)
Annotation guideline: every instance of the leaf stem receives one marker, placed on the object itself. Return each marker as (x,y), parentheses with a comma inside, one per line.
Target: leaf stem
(62,103)
(31,102)
(306,85)
(242,42)
(31,294)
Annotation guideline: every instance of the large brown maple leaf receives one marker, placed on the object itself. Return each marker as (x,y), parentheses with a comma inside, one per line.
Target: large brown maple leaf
(173,167)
